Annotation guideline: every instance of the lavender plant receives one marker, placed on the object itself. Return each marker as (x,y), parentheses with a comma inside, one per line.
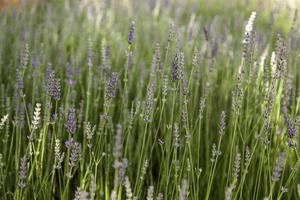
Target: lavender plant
(149,100)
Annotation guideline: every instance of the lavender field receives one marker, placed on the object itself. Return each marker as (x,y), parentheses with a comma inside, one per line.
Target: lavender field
(149,100)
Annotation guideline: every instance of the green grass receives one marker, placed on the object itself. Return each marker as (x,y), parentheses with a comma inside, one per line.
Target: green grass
(125,126)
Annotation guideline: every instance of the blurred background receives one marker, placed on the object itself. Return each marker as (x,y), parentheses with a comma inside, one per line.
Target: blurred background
(271,3)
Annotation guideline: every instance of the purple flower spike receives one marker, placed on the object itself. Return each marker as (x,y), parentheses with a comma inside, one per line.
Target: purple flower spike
(111,86)
(52,84)
(131,33)
(175,68)
(206,33)
(69,142)
(71,121)
(291,130)
(71,73)
(292,143)
(35,62)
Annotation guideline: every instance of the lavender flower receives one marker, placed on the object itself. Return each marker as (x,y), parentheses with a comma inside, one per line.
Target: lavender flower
(111,86)
(249,25)
(71,121)
(176,136)
(22,172)
(129,60)
(215,153)
(118,146)
(3,121)
(80,194)
(281,59)
(25,56)
(222,124)
(202,103)
(149,103)
(70,74)
(75,154)
(157,64)
(160,196)
(150,192)
(131,33)
(122,167)
(18,108)
(291,130)
(214,50)
(68,143)
(292,143)
(35,62)
(56,90)
(52,84)
(237,165)
(183,77)
(239,93)
(229,191)
(247,156)
(92,187)
(59,156)
(36,117)
(206,33)
(175,68)
(90,133)
(113,195)
(248,34)
(19,80)
(170,36)
(196,64)
(53,118)
(129,194)
(183,190)
(144,169)
(117,153)
(165,88)
(50,79)
(279,167)
(184,118)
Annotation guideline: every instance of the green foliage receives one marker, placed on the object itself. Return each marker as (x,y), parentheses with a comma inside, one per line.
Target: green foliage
(129,99)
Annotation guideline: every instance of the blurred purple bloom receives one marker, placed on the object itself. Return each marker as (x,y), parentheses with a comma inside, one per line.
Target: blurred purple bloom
(54,117)
(35,62)
(291,130)
(19,78)
(175,68)
(111,86)
(56,90)
(69,142)
(166,3)
(71,121)
(131,33)
(292,143)
(70,73)
(52,84)
(206,33)
(214,50)
(75,153)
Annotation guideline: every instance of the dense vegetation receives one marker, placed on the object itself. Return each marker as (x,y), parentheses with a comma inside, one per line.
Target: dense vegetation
(149,100)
